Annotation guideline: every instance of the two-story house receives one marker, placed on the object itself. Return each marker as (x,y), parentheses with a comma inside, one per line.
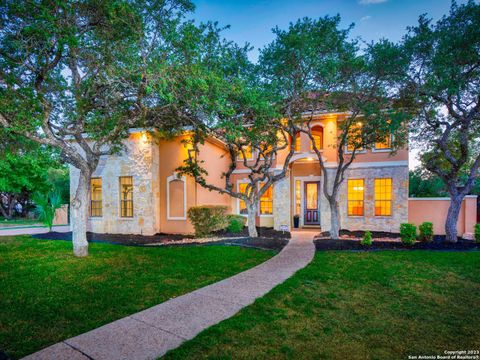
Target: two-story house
(140,192)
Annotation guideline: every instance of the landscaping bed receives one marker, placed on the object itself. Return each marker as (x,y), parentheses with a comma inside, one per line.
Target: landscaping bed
(350,240)
(269,239)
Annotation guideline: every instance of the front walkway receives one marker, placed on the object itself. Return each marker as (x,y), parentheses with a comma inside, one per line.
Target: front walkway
(149,334)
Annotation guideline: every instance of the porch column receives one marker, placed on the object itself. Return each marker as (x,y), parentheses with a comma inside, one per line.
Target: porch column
(281,204)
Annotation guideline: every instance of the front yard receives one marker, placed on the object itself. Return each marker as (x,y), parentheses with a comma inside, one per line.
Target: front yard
(356,305)
(47,295)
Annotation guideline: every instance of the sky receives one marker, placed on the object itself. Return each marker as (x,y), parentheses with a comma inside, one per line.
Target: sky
(252,21)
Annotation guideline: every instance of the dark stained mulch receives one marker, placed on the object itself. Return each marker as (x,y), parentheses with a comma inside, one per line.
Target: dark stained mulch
(121,239)
(265,243)
(360,233)
(438,243)
(263,232)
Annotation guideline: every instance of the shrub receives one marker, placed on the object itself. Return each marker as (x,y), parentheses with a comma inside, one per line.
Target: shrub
(367,239)
(477,233)
(236,223)
(426,231)
(207,219)
(46,206)
(408,233)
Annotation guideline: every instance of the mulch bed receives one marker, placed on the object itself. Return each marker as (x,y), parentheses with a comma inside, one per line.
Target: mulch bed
(263,232)
(350,240)
(238,239)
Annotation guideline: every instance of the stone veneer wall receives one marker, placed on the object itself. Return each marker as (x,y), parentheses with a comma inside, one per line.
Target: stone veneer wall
(369,221)
(399,175)
(281,203)
(139,160)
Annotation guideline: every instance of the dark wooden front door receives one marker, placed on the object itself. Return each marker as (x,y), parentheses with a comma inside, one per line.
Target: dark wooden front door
(311,193)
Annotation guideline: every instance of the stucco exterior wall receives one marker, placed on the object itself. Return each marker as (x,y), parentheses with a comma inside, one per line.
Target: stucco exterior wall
(139,160)
(435,211)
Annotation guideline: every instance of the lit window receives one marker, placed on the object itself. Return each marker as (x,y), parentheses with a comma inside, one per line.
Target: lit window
(386,144)
(297,143)
(298,197)
(354,138)
(242,207)
(266,202)
(317,134)
(383,197)
(126,196)
(356,190)
(248,153)
(96,197)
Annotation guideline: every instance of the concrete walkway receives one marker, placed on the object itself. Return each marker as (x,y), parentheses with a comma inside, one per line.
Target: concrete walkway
(149,334)
(31,230)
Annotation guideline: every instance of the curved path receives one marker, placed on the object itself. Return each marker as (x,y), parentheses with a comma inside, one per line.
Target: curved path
(149,334)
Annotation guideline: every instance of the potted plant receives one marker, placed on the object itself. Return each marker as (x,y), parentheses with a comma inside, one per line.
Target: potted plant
(296,221)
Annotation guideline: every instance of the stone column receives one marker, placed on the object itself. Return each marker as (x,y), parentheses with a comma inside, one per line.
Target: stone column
(281,204)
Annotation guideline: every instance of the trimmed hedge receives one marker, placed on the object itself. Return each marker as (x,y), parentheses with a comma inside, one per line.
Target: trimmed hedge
(408,233)
(477,233)
(236,223)
(426,231)
(207,219)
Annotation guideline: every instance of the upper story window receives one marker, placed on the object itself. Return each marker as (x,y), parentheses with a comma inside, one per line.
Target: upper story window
(354,138)
(126,196)
(266,202)
(317,134)
(297,143)
(383,197)
(95,197)
(356,191)
(386,144)
(247,150)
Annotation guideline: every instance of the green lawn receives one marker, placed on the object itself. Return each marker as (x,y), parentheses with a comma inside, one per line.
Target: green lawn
(346,305)
(47,295)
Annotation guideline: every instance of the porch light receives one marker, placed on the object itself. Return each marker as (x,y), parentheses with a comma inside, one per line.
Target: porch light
(309,159)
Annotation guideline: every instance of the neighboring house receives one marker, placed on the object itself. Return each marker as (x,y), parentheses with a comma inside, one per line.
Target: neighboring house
(139,191)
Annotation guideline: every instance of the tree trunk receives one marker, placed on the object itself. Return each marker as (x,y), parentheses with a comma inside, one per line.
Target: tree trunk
(79,215)
(334,218)
(452,218)
(252,214)
(11,205)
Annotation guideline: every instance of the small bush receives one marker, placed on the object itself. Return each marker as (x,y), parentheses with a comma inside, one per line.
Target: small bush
(477,233)
(426,231)
(236,223)
(408,233)
(207,219)
(367,239)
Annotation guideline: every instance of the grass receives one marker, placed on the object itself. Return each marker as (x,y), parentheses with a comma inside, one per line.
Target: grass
(346,305)
(5,223)
(48,295)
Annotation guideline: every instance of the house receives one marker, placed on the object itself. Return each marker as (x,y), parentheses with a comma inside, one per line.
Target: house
(140,192)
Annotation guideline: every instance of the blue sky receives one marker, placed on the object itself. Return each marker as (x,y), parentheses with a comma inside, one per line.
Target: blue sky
(251,21)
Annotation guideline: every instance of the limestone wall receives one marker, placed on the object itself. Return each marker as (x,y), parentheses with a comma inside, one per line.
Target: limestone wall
(369,221)
(139,160)
(281,204)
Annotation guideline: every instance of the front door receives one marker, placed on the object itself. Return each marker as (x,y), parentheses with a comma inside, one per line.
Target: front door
(311,213)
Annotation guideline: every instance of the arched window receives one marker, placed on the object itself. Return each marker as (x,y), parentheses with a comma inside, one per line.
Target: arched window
(317,133)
